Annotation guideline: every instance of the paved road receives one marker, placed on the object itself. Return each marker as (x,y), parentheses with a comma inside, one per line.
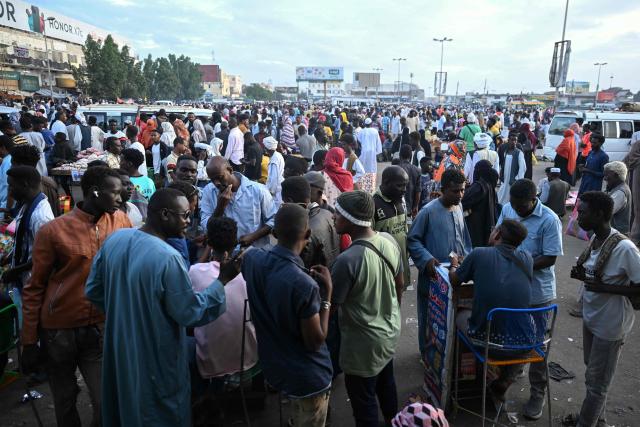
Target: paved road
(624,398)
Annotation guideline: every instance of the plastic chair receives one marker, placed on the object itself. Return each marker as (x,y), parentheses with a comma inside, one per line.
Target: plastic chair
(524,349)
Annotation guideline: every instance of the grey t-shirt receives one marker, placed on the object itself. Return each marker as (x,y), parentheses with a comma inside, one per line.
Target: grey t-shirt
(610,317)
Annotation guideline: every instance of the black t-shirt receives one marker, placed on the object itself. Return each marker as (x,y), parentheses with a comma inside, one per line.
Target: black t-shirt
(253,152)
(414,183)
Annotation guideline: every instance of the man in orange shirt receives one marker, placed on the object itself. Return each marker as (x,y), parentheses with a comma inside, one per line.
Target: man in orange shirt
(55,310)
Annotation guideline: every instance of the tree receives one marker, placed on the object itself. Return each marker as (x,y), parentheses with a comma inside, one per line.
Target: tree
(166,83)
(189,76)
(257,92)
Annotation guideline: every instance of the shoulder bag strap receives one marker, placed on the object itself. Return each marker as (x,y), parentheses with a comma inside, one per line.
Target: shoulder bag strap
(371,246)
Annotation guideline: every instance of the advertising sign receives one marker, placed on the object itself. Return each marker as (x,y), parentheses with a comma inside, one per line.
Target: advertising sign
(574,86)
(26,17)
(314,74)
(29,83)
(440,339)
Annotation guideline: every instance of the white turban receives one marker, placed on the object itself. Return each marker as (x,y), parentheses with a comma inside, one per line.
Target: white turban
(471,118)
(270,143)
(482,140)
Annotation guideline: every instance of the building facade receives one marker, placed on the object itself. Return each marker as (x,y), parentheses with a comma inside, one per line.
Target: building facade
(34,39)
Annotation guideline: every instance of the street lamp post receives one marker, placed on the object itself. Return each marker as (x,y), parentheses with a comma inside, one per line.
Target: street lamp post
(399,59)
(379,70)
(441,41)
(611,81)
(564,29)
(599,65)
(46,47)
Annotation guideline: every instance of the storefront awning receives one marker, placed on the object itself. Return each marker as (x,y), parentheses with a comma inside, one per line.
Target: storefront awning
(47,93)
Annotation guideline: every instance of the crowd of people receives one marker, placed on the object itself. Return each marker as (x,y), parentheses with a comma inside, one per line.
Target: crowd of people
(189,226)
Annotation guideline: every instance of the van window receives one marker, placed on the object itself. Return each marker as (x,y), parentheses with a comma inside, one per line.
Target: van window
(626,129)
(560,124)
(610,129)
(636,126)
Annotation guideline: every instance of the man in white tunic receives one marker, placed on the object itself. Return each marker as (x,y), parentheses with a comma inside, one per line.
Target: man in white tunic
(514,168)
(482,152)
(371,146)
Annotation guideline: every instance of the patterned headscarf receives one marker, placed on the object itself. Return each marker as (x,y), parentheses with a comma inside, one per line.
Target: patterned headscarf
(420,415)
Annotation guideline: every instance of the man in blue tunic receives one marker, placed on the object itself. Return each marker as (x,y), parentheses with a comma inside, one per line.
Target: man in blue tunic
(142,285)
(593,170)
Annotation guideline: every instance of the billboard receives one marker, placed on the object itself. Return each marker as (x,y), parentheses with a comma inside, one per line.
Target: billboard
(574,86)
(560,63)
(27,17)
(314,74)
(366,79)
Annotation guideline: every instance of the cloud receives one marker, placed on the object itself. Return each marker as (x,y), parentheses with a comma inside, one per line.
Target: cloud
(508,43)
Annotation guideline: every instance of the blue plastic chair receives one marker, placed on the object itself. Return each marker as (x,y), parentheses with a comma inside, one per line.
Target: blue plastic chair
(531,348)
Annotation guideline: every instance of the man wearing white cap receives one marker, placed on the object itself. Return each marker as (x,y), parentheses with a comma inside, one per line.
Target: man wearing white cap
(275,169)
(482,152)
(468,131)
(371,146)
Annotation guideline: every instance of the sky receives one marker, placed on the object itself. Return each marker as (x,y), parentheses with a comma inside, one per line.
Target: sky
(508,43)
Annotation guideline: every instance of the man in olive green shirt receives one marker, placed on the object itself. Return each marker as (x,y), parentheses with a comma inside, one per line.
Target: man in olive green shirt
(369,282)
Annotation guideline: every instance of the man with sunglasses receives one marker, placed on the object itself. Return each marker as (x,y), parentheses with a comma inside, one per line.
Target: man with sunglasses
(148,302)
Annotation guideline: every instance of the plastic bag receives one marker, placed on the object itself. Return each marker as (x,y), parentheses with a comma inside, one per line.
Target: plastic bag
(573,228)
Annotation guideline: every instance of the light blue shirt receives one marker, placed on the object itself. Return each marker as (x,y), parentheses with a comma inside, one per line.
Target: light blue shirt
(4,185)
(251,207)
(435,233)
(544,238)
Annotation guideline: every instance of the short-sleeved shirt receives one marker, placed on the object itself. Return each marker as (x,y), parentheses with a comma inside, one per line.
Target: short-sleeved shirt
(544,237)
(251,207)
(364,288)
(608,316)
(281,294)
(497,282)
(144,185)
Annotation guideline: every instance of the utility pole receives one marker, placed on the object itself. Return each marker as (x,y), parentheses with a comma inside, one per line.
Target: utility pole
(441,41)
(485,85)
(410,87)
(455,101)
(399,59)
(599,65)
(564,28)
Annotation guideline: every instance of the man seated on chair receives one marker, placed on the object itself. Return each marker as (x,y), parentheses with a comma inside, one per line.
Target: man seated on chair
(501,277)
(219,343)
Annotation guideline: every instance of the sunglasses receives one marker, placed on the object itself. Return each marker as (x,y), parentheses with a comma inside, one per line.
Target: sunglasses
(185,215)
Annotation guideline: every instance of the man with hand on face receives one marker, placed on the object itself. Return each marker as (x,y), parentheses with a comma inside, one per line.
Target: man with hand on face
(145,363)
(437,232)
(55,309)
(233,195)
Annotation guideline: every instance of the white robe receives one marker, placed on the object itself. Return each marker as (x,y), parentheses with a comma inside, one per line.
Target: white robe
(371,147)
(482,154)
(503,193)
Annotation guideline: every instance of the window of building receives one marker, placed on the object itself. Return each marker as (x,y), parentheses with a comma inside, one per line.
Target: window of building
(73,58)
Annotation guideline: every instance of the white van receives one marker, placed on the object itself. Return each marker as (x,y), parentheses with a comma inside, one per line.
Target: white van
(123,112)
(617,128)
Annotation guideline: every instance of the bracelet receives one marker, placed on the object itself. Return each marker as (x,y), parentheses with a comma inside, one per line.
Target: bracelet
(325,305)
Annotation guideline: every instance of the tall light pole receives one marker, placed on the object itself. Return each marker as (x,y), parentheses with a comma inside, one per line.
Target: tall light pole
(611,81)
(379,71)
(599,65)
(399,59)
(441,41)
(46,47)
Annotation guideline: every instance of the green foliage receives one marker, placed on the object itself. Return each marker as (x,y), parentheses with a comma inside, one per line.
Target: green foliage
(257,92)
(110,72)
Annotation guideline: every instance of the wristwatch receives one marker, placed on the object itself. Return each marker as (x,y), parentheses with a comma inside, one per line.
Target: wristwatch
(325,305)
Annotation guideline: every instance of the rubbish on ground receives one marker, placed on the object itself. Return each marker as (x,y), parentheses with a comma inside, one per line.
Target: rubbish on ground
(558,373)
(31,395)
(513,417)
(411,321)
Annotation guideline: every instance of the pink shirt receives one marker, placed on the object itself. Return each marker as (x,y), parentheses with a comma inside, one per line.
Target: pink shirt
(218,343)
